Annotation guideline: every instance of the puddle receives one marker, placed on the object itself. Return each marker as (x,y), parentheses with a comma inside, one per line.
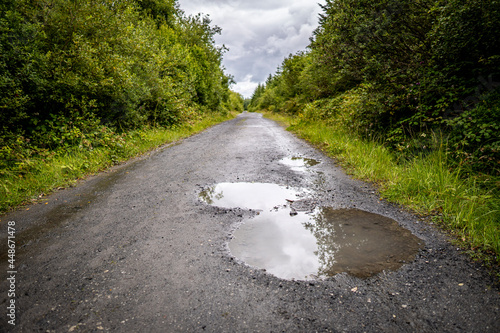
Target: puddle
(299,163)
(258,196)
(278,243)
(324,243)
(292,239)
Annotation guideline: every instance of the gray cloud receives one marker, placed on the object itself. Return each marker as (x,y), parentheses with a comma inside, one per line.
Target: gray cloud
(258,33)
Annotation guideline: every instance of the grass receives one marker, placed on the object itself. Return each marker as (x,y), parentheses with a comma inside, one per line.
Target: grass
(37,176)
(464,204)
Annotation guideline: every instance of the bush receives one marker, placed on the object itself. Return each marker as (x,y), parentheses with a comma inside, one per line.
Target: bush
(474,138)
(126,64)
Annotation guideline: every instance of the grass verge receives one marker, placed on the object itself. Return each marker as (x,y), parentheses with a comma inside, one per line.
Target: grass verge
(465,205)
(39,175)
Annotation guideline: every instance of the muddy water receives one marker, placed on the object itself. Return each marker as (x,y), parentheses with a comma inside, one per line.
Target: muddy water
(61,211)
(360,243)
(313,242)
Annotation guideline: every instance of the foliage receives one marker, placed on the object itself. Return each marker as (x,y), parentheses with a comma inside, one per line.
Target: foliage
(474,135)
(399,71)
(235,102)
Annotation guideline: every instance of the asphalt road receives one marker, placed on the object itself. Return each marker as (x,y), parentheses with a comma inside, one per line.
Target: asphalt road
(136,250)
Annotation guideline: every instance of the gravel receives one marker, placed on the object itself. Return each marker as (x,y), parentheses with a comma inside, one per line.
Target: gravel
(136,250)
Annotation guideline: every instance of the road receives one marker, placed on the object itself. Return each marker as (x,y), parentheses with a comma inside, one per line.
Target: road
(136,250)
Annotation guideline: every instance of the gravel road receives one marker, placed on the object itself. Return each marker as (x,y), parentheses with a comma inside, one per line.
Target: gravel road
(136,250)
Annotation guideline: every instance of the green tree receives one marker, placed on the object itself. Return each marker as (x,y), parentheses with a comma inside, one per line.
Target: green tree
(125,64)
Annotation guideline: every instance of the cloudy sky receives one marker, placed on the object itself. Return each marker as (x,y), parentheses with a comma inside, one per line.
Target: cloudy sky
(258,33)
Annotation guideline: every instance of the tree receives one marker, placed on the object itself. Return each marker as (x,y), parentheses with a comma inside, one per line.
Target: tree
(123,63)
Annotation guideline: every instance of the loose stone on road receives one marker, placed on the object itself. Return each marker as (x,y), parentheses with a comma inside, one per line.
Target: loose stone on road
(171,243)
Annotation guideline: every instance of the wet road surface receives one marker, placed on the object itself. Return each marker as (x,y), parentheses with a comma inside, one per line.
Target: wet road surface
(138,249)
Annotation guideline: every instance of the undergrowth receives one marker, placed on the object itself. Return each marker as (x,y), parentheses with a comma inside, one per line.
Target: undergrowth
(464,203)
(28,173)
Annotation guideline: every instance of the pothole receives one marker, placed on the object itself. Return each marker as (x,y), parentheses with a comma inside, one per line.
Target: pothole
(298,163)
(292,239)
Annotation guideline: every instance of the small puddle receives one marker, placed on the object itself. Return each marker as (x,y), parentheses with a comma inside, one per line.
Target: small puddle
(297,163)
(292,239)
(258,196)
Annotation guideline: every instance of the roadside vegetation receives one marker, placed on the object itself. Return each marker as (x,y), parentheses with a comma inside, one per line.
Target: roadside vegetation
(44,171)
(85,84)
(406,95)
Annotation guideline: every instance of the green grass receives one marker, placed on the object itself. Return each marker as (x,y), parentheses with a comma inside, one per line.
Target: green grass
(464,204)
(37,175)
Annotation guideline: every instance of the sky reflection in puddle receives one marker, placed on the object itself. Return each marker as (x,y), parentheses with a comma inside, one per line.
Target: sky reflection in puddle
(318,244)
(278,243)
(258,196)
(297,163)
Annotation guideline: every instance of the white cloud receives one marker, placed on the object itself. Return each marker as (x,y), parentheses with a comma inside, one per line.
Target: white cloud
(258,33)
(246,87)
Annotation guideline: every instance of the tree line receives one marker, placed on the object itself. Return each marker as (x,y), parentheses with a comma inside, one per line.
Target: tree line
(399,71)
(69,67)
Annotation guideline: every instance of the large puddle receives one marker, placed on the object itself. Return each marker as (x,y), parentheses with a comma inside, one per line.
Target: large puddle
(292,239)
